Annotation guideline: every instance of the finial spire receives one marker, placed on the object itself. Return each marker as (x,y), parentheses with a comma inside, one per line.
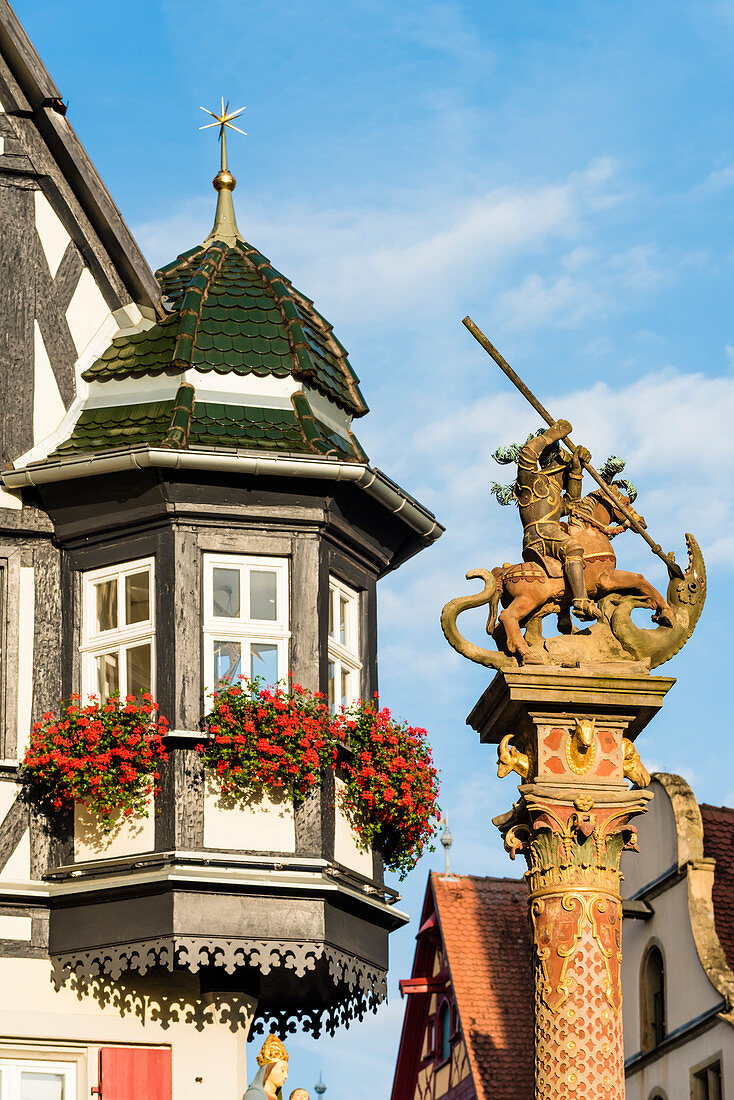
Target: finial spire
(225,224)
(447,840)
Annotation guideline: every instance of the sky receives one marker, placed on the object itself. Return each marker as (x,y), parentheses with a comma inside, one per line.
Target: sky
(562,171)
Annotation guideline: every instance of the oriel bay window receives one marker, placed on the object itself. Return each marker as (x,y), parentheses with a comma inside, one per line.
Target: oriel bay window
(118,630)
(344,664)
(245,619)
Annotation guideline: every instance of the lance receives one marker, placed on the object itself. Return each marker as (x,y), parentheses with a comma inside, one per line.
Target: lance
(613,496)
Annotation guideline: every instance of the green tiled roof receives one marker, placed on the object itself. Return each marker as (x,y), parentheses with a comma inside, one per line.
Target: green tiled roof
(234,313)
(188,423)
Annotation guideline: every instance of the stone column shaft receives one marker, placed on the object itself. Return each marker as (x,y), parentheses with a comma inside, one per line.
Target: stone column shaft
(565,733)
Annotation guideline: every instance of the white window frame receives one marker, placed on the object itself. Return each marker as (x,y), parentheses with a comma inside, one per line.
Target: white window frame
(344,657)
(12,1068)
(245,629)
(95,643)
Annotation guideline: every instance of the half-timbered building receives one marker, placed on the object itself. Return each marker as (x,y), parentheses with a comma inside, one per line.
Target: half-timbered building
(183,498)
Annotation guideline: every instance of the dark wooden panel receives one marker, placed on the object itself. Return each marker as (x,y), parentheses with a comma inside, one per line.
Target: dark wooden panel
(17,308)
(47,680)
(187,702)
(304,608)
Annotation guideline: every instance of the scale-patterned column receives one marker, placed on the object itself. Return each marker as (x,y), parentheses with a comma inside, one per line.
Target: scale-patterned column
(576,919)
(571,824)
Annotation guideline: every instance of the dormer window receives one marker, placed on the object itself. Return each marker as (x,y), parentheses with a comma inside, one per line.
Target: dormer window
(118,630)
(245,618)
(344,664)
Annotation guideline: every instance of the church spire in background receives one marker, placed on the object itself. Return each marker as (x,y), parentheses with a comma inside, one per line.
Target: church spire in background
(225,224)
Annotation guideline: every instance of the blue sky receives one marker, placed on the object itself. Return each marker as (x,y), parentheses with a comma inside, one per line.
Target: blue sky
(562,171)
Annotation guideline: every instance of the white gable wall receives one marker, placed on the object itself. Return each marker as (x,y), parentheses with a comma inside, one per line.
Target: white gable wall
(694,1031)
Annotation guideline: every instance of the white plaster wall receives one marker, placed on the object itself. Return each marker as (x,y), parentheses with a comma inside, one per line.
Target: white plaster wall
(348,848)
(657,841)
(36,1013)
(15,928)
(87,312)
(54,237)
(48,408)
(688,992)
(27,605)
(672,1073)
(17,870)
(264,826)
(128,836)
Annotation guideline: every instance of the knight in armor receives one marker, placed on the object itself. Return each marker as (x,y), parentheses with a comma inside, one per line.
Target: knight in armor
(548,482)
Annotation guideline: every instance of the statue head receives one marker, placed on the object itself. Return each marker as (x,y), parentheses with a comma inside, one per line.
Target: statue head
(273,1060)
(275,1075)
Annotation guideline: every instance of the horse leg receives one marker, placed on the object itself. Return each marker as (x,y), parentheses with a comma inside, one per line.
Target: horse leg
(520,608)
(618,580)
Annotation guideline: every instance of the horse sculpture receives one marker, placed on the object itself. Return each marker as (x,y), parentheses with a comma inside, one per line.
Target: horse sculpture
(533,589)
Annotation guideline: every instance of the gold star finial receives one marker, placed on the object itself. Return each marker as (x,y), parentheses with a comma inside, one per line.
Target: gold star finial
(225,224)
(224,120)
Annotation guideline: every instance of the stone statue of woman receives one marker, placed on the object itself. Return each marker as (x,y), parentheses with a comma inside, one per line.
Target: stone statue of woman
(272,1072)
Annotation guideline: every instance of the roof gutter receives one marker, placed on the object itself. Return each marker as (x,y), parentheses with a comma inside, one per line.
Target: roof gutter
(370,480)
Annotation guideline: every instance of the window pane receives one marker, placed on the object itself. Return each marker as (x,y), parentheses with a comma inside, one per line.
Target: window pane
(343,605)
(332,597)
(138,668)
(42,1086)
(227,661)
(345,688)
(332,687)
(226,594)
(106,595)
(263,595)
(264,661)
(108,675)
(137,598)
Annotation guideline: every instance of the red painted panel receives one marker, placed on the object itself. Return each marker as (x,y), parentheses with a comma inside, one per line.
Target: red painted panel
(129,1073)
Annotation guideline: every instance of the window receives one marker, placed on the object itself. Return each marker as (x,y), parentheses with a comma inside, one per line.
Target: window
(652,998)
(707,1082)
(443,1034)
(21,1080)
(344,665)
(118,633)
(245,618)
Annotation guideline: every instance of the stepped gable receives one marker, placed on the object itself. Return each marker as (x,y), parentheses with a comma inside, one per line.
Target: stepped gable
(718,843)
(231,312)
(484,928)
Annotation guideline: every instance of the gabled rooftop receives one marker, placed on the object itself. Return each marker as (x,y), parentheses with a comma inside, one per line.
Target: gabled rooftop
(481,926)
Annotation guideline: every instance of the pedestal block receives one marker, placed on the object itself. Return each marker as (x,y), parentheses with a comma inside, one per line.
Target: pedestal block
(568,733)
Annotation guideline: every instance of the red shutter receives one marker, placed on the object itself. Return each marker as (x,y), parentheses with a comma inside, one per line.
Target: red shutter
(129,1073)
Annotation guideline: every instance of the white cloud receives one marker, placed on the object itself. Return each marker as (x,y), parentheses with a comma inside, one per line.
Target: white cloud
(718,180)
(596,285)
(379,262)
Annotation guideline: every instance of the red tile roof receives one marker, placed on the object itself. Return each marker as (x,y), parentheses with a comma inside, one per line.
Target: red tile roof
(485,930)
(718,842)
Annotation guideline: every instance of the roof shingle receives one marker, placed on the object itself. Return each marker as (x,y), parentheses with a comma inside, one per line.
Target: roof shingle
(234,314)
(484,927)
(718,842)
